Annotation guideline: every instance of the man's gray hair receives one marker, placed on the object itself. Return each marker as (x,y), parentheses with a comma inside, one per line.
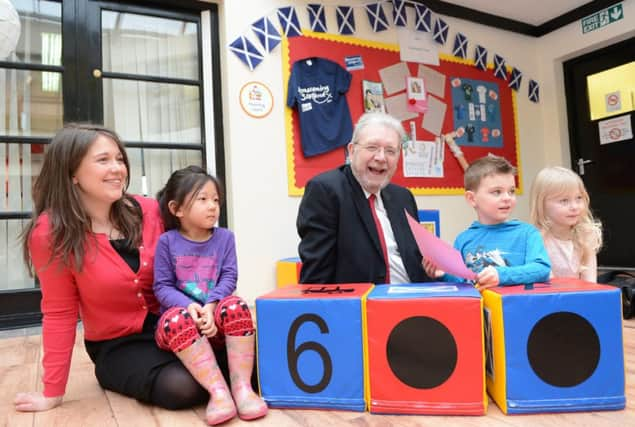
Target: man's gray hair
(381,119)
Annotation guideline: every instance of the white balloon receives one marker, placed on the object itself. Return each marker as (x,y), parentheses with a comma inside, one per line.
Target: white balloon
(9,29)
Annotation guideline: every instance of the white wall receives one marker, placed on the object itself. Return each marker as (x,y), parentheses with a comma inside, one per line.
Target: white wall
(262,214)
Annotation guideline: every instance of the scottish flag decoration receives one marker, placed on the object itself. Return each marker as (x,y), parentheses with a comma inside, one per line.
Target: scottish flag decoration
(515,79)
(534,91)
(377,17)
(423,18)
(460,46)
(399,13)
(317,19)
(480,58)
(289,21)
(267,34)
(345,20)
(440,33)
(499,67)
(246,52)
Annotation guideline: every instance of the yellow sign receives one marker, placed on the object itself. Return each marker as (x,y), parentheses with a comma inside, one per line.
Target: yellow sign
(611,91)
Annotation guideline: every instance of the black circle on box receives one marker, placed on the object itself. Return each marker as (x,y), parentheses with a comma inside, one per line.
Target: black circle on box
(563,349)
(421,352)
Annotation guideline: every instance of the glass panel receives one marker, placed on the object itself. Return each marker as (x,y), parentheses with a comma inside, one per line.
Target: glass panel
(33,103)
(157,112)
(157,165)
(610,91)
(11,262)
(148,45)
(41,22)
(22,163)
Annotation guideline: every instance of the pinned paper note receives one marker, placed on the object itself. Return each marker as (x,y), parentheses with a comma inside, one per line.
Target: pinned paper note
(393,77)
(416,91)
(444,256)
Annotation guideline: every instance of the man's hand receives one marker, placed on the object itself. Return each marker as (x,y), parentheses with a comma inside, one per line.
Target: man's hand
(431,269)
(35,402)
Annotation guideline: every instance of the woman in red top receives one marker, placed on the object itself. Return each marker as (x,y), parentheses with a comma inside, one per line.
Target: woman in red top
(92,247)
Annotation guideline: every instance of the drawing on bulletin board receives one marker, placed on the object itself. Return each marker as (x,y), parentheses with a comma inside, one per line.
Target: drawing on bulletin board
(373,97)
(476,111)
(452,130)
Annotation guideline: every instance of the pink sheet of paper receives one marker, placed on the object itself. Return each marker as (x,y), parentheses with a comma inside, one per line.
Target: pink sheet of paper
(439,252)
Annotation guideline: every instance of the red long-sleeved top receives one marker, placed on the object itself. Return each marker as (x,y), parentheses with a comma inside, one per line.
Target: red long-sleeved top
(111,299)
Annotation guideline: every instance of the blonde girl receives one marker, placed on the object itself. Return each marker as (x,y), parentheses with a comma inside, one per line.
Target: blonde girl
(560,210)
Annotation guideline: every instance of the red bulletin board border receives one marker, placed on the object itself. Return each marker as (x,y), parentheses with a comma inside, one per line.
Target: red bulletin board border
(375,56)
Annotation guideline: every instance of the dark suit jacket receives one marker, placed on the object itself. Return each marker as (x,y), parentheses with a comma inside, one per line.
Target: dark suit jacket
(339,241)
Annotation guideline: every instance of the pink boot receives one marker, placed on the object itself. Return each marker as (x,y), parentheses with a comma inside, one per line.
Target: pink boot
(200,360)
(240,357)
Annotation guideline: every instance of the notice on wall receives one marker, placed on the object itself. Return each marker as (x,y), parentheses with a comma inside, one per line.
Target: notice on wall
(423,159)
(615,129)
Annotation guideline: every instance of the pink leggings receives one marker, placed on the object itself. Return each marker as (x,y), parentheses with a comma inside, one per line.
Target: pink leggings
(176,329)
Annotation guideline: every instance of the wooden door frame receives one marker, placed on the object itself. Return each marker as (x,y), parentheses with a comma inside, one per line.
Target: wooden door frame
(21,307)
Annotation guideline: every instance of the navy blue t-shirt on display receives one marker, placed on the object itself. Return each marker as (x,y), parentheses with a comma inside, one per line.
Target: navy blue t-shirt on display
(317,88)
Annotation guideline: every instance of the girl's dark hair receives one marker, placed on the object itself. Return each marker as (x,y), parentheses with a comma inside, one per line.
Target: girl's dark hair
(55,194)
(180,184)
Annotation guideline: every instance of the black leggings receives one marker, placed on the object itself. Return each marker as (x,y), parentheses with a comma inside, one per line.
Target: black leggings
(134,366)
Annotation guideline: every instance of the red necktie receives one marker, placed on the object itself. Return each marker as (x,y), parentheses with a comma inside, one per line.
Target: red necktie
(380,231)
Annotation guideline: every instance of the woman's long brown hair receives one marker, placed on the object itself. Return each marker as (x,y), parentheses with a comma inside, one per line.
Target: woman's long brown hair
(55,194)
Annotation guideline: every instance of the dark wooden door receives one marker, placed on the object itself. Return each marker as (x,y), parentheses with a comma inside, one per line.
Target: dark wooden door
(608,170)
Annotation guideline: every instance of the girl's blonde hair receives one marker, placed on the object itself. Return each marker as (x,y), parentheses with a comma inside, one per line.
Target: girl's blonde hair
(552,181)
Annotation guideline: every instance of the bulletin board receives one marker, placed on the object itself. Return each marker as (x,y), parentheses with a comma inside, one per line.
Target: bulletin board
(376,56)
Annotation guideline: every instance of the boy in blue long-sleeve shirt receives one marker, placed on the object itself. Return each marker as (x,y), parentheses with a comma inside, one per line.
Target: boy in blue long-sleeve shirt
(501,251)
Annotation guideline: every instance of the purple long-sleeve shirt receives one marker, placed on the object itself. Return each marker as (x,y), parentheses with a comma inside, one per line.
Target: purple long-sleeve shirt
(186,271)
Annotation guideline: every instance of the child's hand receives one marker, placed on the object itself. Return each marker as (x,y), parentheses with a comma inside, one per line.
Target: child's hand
(195,310)
(208,326)
(431,269)
(487,278)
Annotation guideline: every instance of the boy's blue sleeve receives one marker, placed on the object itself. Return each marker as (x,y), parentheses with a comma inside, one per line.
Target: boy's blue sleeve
(536,268)
(450,278)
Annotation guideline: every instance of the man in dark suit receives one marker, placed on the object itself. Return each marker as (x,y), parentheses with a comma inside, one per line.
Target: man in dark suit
(340,211)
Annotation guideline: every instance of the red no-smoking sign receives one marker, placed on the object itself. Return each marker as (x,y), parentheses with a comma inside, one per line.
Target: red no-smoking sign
(612,99)
(615,133)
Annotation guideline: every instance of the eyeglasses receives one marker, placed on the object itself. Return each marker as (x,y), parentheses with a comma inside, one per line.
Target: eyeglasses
(375,149)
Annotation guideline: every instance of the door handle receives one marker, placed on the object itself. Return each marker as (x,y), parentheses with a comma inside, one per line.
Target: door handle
(581,163)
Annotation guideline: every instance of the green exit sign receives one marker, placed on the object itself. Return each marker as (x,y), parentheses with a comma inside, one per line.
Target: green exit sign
(602,18)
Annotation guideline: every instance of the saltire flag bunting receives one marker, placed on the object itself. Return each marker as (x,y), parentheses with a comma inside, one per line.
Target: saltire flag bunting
(534,91)
(460,46)
(423,21)
(289,21)
(376,17)
(515,79)
(345,20)
(246,52)
(267,34)
(499,67)
(440,33)
(399,13)
(317,19)
(480,58)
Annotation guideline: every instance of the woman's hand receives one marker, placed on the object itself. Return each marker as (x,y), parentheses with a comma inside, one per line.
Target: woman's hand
(487,278)
(208,326)
(431,269)
(35,402)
